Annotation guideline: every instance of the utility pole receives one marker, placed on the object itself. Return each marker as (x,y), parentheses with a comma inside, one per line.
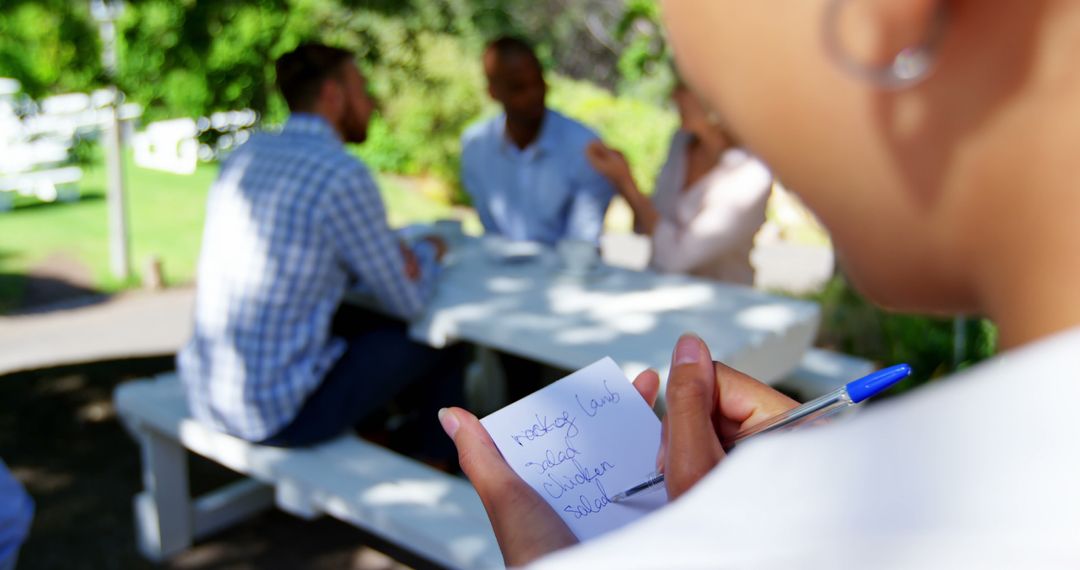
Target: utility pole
(106,12)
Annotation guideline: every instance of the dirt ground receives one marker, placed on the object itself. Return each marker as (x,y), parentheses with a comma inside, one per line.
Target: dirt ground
(61,438)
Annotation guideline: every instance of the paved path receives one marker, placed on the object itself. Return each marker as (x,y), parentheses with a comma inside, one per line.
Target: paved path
(123,326)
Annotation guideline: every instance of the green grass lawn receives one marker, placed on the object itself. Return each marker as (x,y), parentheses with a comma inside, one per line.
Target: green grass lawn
(165,213)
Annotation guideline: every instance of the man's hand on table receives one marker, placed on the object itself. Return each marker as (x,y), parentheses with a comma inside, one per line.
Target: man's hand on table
(698,392)
(412,265)
(439,244)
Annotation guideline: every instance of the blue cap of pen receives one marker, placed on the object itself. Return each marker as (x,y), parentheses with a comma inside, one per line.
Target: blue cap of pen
(873,384)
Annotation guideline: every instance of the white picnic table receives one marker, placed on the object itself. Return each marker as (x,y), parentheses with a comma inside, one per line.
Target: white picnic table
(529,307)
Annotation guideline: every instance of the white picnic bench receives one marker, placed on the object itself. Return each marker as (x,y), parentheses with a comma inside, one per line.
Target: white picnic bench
(31,166)
(173,145)
(34,148)
(432,514)
(169,146)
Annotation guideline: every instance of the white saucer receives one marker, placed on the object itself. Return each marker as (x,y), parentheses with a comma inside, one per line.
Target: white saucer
(511,252)
(589,273)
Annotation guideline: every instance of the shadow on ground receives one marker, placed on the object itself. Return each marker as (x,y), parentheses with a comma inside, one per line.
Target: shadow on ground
(58,281)
(61,438)
(25,294)
(24,204)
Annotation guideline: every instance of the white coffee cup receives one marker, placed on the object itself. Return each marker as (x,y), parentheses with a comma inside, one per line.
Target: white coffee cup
(578,257)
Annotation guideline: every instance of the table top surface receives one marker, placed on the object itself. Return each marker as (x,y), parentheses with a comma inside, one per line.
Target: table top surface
(530,306)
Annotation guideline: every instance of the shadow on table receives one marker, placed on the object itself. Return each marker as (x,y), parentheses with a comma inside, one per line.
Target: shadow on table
(635,317)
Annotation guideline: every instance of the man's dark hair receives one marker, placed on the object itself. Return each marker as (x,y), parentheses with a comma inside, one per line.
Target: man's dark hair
(508,46)
(302,71)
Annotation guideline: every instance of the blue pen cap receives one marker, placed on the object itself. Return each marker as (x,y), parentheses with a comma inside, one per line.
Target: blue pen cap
(876,382)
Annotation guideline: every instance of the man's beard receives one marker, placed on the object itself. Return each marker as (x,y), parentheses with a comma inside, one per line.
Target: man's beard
(531,118)
(353,128)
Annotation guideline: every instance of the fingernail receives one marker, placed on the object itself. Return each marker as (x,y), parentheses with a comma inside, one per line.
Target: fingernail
(687,350)
(449,422)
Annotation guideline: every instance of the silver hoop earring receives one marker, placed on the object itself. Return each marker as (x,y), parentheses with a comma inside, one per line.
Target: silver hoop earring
(911,66)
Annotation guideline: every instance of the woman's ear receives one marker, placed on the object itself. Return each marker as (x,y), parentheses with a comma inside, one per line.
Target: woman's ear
(872,33)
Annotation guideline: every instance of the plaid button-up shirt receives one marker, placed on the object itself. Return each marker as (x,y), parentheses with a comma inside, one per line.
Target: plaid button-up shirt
(292,222)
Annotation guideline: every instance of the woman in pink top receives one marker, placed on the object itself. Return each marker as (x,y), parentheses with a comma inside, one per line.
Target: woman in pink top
(709,200)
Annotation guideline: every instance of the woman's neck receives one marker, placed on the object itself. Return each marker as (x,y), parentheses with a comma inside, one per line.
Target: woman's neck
(1036,297)
(708,141)
(1028,260)
(1031,271)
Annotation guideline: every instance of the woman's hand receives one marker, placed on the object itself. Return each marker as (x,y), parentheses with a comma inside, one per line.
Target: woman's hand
(611,163)
(707,402)
(525,525)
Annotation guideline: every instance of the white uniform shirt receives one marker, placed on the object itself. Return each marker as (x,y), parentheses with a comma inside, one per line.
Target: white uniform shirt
(978,470)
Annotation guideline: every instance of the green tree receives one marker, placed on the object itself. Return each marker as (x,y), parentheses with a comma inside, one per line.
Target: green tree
(190,58)
(49,46)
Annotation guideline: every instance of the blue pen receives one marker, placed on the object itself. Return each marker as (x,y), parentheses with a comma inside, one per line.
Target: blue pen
(848,395)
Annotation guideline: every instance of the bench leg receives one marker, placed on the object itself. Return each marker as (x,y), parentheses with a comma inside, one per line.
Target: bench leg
(163,511)
(485,382)
(231,504)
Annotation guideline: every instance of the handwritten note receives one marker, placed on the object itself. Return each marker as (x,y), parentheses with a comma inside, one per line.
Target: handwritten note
(581,440)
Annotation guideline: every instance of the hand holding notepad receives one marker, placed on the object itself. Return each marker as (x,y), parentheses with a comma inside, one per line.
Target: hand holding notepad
(547,467)
(579,441)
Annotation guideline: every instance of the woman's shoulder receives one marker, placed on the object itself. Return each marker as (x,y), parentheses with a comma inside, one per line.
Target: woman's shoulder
(739,177)
(738,157)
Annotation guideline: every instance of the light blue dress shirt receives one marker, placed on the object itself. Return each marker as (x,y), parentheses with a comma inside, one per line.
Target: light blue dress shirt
(546,192)
(292,222)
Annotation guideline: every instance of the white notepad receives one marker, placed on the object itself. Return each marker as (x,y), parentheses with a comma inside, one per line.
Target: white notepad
(581,440)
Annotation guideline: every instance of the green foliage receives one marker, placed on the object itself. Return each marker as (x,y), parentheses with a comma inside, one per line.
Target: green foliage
(853,325)
(646,53)
(193,58)
(572,38)
(49,48)
(429,92)
(189,58)
(85,150)
(638,128)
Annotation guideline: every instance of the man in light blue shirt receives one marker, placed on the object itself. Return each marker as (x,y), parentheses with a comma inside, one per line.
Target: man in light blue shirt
(525,169)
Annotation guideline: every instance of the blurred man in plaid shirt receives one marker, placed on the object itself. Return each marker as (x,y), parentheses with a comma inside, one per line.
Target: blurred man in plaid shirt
(293,223)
